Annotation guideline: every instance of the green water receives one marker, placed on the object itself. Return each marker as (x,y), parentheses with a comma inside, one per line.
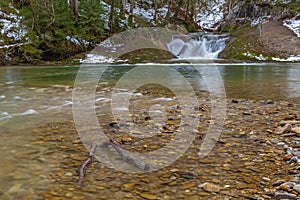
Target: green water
(31,98)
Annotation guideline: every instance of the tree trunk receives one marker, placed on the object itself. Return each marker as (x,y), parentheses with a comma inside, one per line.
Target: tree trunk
(112,16)
(74,9)
(130,19)
(155,10)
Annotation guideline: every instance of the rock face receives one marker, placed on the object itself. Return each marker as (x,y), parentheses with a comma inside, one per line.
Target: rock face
(241,11)
(276,41)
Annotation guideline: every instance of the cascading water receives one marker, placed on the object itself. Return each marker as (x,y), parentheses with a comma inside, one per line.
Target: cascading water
(198,45)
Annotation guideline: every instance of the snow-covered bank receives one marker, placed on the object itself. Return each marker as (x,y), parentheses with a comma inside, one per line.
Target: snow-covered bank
(262,58)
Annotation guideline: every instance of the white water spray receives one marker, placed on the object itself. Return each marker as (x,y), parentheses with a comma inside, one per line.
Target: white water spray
(198,46)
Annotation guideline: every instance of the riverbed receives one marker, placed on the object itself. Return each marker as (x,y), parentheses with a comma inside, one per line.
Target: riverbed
(41,148)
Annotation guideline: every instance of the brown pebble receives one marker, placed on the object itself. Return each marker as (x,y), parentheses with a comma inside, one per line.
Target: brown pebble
(209,187)
(284,187)
(148,196)
(287,157)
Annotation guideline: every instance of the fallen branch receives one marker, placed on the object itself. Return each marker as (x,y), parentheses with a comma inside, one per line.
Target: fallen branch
(88,161)
(127,157)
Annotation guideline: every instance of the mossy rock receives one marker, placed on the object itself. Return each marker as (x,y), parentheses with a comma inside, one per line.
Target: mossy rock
(147,55)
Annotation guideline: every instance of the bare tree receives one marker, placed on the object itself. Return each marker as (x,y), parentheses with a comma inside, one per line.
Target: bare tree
(74,8)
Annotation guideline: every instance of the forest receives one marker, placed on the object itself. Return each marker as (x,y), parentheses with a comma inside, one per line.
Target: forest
(53,30)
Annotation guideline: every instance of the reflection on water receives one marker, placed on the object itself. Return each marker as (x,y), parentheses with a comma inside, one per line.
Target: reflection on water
(33,96)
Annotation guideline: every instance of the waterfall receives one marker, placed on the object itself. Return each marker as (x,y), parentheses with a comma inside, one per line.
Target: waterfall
(198,45)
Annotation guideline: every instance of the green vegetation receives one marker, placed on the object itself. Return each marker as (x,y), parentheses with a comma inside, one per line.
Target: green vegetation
(59,30)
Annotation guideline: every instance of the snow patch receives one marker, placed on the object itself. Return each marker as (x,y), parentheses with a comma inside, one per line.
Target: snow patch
(292,58)
(93,58)
(249,55)
(11,26)
(260,20)
(211,16)
(293,24)
(78,41)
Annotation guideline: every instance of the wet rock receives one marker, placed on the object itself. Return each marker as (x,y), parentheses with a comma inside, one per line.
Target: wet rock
(284,187)
(246,113)
(69,195)
(270,102)
(173,183)
(128,186)
(126,139)
(114,124)
(68,174)
(278,183)
(280,130)
(297,188)
(208,187)
(234,101)
(294,159)
(291,184)
(269,131)
(266,179)
(187,185)
(287,157)
(284,196)
(148,196)
(15,188)
(288,134)
(296,130)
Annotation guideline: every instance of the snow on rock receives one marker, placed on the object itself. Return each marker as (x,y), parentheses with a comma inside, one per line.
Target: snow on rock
(260,20)
(11,25)
(93,58)
(249,55)
(290,59)
(293,24)
(12,45)
(212,15)
(262,58)
(78,41)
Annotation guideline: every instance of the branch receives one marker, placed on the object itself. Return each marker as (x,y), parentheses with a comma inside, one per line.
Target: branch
(88,161)
(127,157)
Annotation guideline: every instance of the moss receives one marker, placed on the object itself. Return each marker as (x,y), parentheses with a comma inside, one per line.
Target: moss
(146,55)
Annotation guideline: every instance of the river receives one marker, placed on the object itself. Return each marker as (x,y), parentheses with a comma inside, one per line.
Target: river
(40,148)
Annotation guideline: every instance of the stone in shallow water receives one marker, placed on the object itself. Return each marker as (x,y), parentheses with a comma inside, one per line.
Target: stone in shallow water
(297,188)
(187,185)
(284,187)
(148,196)
(284,196)
(296,130)
(278,182)
(209,187)
(128,186)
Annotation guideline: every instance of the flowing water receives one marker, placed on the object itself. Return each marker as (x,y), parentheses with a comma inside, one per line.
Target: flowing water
(198,45)
(40,148)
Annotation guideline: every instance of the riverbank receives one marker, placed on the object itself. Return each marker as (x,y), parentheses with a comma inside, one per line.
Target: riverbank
(247,162)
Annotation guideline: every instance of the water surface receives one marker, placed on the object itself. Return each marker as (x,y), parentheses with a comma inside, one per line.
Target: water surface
(34,97)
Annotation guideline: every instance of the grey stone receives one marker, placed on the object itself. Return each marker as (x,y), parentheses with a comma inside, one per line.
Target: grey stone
(284,196)
(297,188)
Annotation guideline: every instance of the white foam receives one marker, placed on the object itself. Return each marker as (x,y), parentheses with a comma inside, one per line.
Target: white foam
(27,112)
